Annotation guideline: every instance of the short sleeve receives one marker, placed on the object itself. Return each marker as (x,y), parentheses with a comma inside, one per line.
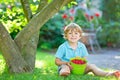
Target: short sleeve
(60,52)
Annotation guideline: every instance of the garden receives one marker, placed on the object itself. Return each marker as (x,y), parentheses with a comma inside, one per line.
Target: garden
(32,34)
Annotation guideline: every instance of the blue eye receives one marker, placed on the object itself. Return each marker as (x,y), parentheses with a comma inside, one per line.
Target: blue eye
(70,33)
(76,33)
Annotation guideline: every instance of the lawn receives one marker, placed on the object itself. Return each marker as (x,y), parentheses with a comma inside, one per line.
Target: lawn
(45,70)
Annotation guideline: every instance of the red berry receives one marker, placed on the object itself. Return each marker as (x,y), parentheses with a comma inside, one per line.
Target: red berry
(78,61)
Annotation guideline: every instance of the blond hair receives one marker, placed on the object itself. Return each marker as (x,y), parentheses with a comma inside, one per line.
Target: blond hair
(72,26)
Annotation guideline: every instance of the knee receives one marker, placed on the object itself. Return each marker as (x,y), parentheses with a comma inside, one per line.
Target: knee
(65,70)
(91,66)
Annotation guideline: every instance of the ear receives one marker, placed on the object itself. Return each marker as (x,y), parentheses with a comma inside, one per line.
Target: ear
(80,36)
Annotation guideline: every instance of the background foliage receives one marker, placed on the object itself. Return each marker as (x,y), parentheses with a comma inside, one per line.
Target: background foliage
(12,16)
(110,35)
(51,33)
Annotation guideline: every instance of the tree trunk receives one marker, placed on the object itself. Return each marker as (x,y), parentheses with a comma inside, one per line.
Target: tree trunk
(29,50)
(11,53)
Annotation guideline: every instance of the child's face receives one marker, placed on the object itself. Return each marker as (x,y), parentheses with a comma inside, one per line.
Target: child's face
(73,36)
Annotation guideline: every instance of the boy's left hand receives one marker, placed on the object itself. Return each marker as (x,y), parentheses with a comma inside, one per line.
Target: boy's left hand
(69,66)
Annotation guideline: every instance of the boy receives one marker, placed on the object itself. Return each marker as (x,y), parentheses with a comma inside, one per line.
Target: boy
(71,48)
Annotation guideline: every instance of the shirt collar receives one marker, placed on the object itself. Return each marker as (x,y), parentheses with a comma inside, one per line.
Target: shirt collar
(79,45)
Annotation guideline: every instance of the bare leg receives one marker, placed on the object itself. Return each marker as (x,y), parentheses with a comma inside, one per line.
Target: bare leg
(65,70)
(95,70)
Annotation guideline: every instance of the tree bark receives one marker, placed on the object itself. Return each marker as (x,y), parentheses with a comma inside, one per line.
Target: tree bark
(11,53)
(29,50)
(26,9)
(42,4)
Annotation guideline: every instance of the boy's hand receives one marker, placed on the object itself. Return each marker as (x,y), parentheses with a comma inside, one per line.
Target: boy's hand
(69,65)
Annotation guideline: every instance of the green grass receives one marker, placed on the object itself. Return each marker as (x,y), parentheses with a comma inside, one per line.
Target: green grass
(45,70)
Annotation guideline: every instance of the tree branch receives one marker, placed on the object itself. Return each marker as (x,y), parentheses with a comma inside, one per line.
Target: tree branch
(26,9)
(42,4)
(38,20)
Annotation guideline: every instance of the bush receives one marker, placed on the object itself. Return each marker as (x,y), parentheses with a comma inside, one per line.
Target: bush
(51,33)
(110,35)
(81,20)
(13,18)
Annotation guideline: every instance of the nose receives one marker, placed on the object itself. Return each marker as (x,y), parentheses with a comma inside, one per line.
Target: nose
(73,34)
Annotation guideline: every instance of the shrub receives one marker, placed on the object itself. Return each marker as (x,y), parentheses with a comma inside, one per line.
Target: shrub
(110,35)
(51,33)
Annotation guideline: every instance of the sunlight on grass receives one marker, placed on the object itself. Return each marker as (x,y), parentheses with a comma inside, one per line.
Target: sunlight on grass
(39,64)
(2,66)
(1,57)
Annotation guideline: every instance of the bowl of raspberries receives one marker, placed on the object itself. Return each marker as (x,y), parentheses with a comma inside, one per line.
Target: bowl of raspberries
(78,64)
